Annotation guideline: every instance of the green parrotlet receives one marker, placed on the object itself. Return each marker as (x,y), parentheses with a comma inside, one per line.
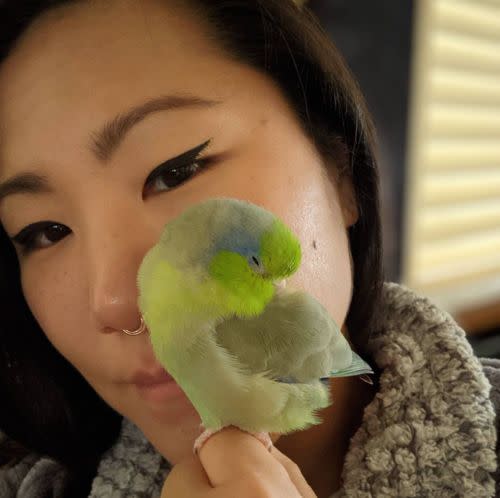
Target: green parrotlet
(246,350)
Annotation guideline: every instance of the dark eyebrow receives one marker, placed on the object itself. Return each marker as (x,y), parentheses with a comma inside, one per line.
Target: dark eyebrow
(105,141)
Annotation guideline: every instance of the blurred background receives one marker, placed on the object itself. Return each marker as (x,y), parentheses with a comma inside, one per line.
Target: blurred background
(430,71)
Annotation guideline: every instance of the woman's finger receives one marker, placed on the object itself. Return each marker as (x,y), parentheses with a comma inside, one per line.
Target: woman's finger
(294,473)
(232,454)
(187,478)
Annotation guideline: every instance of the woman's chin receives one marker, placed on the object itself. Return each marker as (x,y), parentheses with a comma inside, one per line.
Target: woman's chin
(172,431)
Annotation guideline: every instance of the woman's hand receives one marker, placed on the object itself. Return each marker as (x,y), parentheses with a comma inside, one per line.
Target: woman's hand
(232,463)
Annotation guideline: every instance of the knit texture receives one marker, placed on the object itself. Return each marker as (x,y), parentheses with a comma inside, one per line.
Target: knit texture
(491,367)
(33,477)
(132,468)
(430,430)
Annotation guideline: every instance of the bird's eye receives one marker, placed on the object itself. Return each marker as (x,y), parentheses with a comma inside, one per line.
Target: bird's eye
(256,265)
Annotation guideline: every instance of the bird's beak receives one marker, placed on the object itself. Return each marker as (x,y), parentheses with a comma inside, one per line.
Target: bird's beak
(280,284)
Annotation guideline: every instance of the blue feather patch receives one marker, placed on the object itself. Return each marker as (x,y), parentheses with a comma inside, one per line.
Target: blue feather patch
(357,367)
(291,380)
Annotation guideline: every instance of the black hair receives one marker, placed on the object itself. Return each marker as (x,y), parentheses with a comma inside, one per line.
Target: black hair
(48,406)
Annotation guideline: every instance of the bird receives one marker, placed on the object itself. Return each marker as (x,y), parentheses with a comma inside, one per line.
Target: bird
(246,349)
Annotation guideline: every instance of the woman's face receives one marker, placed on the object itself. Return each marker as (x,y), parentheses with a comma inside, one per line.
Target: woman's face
(88,65)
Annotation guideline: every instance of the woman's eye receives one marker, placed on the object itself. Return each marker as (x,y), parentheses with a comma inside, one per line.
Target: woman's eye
(166,178)
(177,170)
(40,235)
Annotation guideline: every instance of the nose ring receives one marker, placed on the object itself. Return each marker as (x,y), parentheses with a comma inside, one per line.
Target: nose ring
(140,330)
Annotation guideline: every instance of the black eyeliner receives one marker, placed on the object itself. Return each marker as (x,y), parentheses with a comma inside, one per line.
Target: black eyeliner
(181,160)
(24,235)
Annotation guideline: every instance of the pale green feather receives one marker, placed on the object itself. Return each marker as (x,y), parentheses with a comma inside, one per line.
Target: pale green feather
(294,337)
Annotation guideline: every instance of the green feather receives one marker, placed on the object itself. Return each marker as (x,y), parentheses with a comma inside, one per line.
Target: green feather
(281,251)
(248,292)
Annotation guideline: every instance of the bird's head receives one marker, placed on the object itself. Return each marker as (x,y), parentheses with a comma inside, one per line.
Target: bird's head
(242,248)
(252,253)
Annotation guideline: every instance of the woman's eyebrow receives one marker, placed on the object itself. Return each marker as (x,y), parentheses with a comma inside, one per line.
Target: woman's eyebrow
(105,141)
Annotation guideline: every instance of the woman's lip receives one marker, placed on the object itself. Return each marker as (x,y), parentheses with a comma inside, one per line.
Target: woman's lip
(161,391)
(143,378)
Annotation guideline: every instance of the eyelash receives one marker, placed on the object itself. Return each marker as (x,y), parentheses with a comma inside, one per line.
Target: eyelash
(27,237)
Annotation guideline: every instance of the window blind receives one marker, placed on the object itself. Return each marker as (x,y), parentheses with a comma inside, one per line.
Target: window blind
(452,223)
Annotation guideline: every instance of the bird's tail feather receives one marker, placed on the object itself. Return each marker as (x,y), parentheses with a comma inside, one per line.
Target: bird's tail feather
(299,405)
(301,409)
(357,367)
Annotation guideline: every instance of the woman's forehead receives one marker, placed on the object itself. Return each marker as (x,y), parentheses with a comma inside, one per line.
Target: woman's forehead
(88,63)
(101,52)
(54,95)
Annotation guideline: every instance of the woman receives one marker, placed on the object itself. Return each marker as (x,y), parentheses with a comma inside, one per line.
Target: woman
(117,115)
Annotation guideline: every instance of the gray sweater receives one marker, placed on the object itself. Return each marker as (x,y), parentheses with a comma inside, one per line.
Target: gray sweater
(430,431)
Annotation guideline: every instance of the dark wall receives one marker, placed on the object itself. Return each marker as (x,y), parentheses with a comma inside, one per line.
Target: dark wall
(375,38)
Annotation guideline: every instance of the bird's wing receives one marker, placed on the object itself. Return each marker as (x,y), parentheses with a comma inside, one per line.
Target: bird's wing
(294,339)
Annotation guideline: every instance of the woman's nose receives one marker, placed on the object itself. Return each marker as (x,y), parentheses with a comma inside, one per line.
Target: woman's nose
(115,254)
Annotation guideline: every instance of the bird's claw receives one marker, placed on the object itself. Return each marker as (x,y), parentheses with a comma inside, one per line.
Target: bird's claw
(263,437)
(203,438)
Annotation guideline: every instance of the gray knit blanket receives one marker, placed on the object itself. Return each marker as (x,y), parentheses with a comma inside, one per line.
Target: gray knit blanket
(430,430)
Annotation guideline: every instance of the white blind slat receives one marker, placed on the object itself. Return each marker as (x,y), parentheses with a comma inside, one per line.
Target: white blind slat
(445,221)
(465,121)
(467,17)
(448,153)
(462,86)
(446,279)
(451,49)
(457,250)
(460,187)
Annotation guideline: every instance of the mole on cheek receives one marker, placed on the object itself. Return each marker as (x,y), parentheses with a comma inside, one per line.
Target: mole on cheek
(314,244)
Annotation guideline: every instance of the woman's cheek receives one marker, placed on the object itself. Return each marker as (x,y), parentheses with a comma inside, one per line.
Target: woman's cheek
(48,295)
